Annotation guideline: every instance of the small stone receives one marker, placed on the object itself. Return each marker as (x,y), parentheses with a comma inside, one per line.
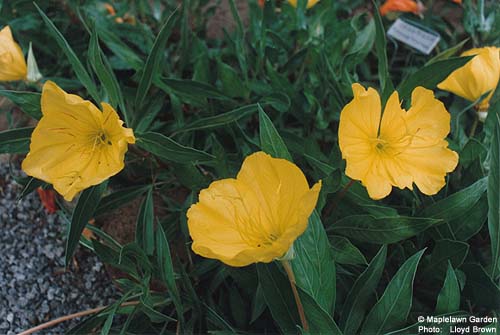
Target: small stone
(10,317)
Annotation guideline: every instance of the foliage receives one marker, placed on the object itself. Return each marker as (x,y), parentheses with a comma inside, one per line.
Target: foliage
(277,82)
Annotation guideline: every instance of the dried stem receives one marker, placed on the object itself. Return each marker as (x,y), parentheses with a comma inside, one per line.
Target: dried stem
(54,322)
(300,308)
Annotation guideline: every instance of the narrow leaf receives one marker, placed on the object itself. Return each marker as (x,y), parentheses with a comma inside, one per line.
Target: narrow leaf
(270,140)
(430,75)
(29,102)
(78,67)
(449,297)
(106,75)
(359,296)
(220,119)
(382,230)
(167,271)
(152,66)
(391,311)
(279,297)
(15,141)
(119,198)
(494,199)
(313,264)
(381,49)
(83,212)
(166,148)
(144,230)
(344,252)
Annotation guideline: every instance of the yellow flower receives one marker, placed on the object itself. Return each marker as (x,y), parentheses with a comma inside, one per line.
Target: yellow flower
(401,147)
(255,217)
(75,145)
(12,63)
(310,3)
(478,76)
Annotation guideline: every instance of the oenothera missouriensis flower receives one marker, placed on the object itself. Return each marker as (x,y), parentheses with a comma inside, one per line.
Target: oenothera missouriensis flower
(478,76)
(310,3)
(399,148)
(255,217)
(75,145)
(12,63)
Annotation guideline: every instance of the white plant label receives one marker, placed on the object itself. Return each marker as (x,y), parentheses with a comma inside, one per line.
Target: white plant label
(424,40)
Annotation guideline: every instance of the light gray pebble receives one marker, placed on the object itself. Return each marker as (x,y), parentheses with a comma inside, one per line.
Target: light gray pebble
(33,285)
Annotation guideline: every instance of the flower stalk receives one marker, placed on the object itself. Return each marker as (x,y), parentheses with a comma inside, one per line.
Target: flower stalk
(300,308)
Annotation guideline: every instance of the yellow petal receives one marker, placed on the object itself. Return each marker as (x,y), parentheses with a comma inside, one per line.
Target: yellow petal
(428,161)
(393,126)
(358,128)
(359,120)
(255,217)
(75,145)
(12,63)
(427,116)
(310,3)
(410,147)
(478,76)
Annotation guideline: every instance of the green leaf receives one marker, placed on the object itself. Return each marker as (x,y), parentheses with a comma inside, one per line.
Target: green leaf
(445,251)
(166,148)
(144,230)
(479,287)
(152,66)
(120,49)
(446,54)
(80,71)
(270,140)
(29,102)
(362,45)
(430,75)
(111,312)
(313,265)
(279,297)
(319,320)
(386,85)
(232,83)
(391,311)
(359,296)
(31,185)
(457,204)
(167,271)
(119,198)
(83,212)
(470,223)
(449,297)
(494,199)
(220,119)
(381,230)
(193,88)
(15,141)
(344,252)
(106,75)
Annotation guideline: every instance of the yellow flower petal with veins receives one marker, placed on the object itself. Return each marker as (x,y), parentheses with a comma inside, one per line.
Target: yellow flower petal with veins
(399,148)
(12,63)
(255,217)
(478,76)
(310,3)
(75,145)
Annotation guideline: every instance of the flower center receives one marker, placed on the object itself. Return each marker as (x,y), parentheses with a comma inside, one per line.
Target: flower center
(102,138)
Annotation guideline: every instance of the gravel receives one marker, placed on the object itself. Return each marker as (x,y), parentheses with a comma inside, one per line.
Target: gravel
(34,286)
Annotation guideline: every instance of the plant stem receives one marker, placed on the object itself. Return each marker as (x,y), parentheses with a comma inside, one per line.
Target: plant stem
(474,126)
(54,322)
(300,308)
